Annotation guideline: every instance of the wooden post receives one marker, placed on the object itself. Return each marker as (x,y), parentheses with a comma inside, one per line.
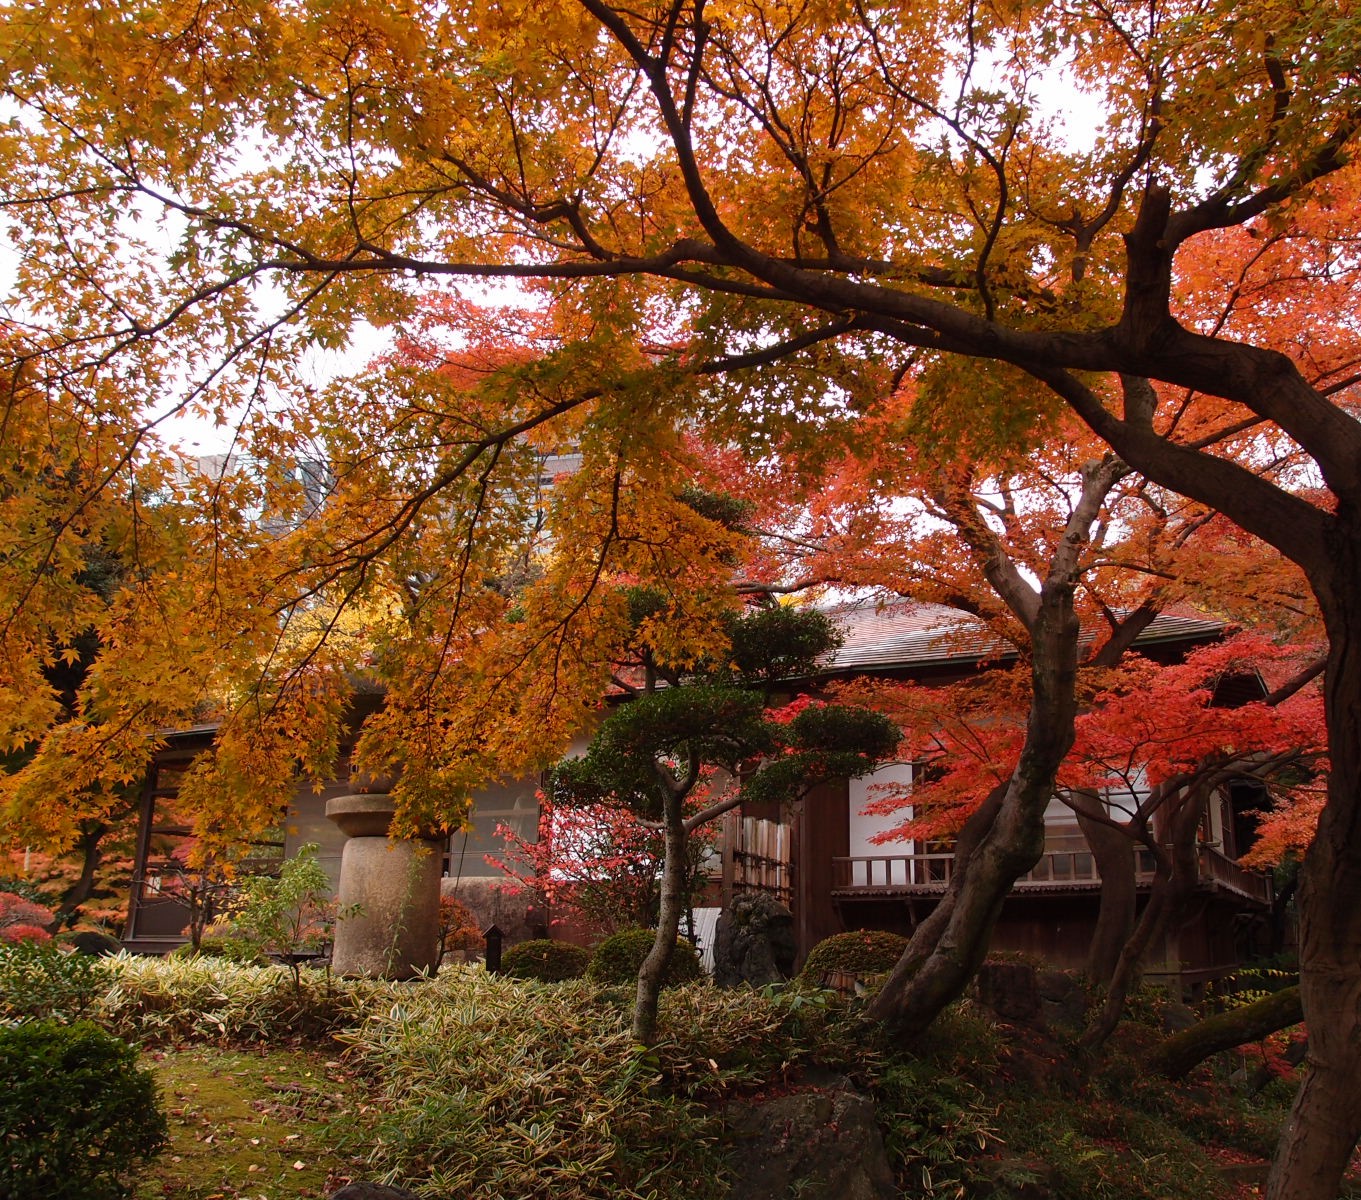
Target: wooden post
(494,937)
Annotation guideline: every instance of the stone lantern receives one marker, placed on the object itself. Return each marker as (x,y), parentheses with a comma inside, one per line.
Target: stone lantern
(394,883)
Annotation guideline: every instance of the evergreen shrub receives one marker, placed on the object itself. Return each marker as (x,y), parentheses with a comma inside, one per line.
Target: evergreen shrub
(860,952)
(545,960)
(618,958)
(76,1113)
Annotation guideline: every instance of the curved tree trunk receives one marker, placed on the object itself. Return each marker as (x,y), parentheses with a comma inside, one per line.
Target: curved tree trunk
(947,949)
(1172,886)
(674,899)
(91,849)
(1223,1031)
(1325,1122)
(1113,851)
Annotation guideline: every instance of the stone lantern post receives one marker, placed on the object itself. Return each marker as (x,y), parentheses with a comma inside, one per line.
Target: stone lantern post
(395,883)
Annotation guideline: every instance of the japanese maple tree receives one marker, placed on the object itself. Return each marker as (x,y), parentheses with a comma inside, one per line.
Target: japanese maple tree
(776,200)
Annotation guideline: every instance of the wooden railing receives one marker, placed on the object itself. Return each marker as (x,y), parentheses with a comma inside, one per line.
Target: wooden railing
(1224,872)
(931,873)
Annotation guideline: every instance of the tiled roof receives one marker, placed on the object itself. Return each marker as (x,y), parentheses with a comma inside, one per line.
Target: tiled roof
(904,633)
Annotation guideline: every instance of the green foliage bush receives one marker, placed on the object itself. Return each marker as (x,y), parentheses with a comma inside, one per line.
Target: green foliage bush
(76,1113)
(211,998)
(545,960)
(486,1087)
(292,912)
(617,959)
(860,952)
(40,979)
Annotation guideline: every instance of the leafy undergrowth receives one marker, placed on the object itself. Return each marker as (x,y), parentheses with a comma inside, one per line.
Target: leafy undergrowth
(491,1089)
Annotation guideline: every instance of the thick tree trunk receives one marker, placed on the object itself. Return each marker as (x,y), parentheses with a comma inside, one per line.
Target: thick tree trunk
(1223,1031)
(90,845)
(674,898)
(947,949)
(1172,886)
(1325,1121)
(1113,851)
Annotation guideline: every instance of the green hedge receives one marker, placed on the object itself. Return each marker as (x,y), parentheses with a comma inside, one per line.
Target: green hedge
(618,958)
(545,960)
(860,952)
(76,1113)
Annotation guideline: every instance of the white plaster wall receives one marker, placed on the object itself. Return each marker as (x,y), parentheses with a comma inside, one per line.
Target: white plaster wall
(863,826)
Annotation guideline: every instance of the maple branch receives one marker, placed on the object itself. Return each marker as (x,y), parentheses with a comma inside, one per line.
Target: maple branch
(1298,681)
(781,350)
(1125,633)
(1279,518)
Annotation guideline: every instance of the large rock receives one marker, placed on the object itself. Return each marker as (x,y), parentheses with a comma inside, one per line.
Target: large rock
(1011,990)
(817,1143)
(754,942)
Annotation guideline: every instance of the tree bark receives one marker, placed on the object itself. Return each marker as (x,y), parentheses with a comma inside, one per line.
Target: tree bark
(90,844)
(1172,886)
(1223,1031)
(1325,1122)
(1113,851)
(673,903)
(947,949)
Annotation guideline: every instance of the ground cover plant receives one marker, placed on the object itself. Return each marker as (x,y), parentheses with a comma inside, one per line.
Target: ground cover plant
(251,1122)
(490,1087)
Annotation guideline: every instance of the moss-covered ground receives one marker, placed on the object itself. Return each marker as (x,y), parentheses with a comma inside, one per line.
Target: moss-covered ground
(251,1124)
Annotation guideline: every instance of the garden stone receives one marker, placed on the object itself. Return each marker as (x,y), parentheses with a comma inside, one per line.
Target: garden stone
(817,1143)
(1062,999)
(390,889)
(754,942)
(1011,990)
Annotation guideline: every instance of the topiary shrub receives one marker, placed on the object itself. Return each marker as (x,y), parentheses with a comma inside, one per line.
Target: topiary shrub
(76,1112)
(545,960)
(860,952)
(618,958)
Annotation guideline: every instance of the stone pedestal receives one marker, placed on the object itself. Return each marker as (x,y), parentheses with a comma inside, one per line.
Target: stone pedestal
(397,886)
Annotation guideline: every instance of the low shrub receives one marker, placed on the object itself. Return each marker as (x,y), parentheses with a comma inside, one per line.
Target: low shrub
(860,952)
(210,998)
(39,979)
(459,931)
(90,941)
(23,920)
(545,960)
(76,1113)
(486,1086)
(618,958)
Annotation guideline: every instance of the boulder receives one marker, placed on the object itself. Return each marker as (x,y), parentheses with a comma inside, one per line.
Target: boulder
(817,1143)
(1011,990)
(754,942)
(1063,1000)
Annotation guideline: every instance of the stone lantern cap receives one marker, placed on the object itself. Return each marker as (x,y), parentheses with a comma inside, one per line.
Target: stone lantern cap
(362,815)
